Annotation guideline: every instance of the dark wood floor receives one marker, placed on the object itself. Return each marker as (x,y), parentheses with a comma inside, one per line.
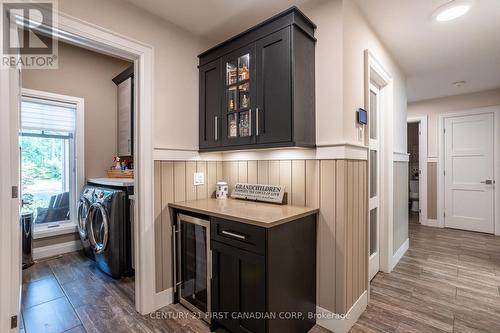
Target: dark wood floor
(70,294)
(448,281)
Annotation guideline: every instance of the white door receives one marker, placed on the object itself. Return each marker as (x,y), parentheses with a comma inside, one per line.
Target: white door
(469,172)
(374,179)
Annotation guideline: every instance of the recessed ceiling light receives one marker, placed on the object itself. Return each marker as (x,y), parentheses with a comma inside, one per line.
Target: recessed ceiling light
(452,10)
(458,83)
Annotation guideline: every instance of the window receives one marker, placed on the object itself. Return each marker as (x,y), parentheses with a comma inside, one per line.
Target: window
(50,185)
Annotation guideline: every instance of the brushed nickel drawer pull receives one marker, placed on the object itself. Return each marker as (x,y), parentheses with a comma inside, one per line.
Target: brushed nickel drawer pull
(232,234)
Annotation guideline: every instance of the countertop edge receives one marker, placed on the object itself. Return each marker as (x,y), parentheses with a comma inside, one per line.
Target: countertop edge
(243,220)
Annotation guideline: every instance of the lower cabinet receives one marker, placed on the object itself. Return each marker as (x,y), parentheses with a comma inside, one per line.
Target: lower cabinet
(238,288)
(263,279)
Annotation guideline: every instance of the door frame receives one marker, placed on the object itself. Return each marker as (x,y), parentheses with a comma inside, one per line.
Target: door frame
(376,72)
(90,36)
(422,165)
(495,110)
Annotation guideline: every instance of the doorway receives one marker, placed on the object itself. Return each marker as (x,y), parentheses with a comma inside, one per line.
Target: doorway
(469,172)
(95,38)
(374,175)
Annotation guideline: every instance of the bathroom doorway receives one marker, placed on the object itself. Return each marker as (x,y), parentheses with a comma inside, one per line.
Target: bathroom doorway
(417,170)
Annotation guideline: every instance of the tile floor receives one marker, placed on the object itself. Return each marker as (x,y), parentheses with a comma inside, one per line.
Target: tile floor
(448,281)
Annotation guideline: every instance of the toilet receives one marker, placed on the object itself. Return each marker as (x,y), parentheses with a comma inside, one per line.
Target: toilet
(414,196)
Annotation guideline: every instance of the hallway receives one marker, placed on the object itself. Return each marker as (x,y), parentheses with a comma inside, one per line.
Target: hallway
(448,281)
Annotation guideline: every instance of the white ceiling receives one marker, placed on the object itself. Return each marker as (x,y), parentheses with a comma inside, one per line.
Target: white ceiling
(216,20)
(434,55)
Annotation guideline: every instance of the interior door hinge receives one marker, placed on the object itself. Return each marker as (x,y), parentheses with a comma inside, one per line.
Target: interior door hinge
(444,130)
(444,214)
(15,192)
(444,172)
(13,322)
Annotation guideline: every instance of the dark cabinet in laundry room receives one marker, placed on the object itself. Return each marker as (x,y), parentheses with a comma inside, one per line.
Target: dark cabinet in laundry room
(257,89)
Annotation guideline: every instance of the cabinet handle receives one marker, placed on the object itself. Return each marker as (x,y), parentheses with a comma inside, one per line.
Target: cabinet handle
(250,122)
(257,122)
(232,234)
(216,127)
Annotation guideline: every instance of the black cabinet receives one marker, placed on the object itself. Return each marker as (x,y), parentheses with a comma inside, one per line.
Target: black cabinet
(210,104)
(264,95)
(260,276)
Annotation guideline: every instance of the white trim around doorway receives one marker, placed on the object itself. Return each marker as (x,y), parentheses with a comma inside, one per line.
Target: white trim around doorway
(495,110)
(87,35)
(422,165)
(376,72)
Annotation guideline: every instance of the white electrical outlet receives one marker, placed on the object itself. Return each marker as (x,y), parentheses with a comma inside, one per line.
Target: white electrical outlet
(198,178)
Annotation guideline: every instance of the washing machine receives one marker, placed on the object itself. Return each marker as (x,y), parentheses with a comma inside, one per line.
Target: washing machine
(109,231)
(86,200)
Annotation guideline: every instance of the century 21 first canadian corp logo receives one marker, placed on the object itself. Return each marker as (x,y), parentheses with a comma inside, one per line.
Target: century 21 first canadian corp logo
(28,39)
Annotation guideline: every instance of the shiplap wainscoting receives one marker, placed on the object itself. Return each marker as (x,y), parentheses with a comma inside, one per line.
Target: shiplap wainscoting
(337,187)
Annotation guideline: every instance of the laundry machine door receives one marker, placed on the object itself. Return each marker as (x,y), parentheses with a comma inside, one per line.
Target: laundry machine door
(83,212)
(98,224)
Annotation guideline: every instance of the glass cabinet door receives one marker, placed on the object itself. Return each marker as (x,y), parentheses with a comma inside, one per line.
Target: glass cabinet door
(239,94)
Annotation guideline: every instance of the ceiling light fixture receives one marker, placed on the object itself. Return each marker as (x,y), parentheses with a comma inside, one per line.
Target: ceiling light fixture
(452,10)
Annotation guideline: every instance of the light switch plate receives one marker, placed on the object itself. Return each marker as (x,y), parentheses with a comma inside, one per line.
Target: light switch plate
(198,178)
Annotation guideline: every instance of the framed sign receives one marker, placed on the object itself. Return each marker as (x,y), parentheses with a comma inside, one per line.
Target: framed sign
(259,192)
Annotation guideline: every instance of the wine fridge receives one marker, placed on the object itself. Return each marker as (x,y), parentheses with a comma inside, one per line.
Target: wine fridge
(193,264)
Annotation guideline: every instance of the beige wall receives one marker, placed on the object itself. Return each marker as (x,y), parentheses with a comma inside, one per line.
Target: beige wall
(434,107)
(337,187)
(432,190)
(357,37)
(175,65)
(86,74)
(327,15)
(400,225)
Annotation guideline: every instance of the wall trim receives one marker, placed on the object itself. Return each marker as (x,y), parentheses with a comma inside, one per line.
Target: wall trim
(441,161)
(400,253)
(56,249)
(432,223)
(164,298)
(401,157)
(340,151)
(332,322)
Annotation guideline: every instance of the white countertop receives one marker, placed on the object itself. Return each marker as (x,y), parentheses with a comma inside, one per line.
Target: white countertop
(112,181)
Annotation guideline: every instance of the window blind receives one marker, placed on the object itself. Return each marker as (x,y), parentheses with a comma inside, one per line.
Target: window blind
(47,115)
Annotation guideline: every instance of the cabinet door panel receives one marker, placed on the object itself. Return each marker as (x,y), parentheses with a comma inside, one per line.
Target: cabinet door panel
(274,95)
(239,93)
(125,118)
(210,104)
(238,288)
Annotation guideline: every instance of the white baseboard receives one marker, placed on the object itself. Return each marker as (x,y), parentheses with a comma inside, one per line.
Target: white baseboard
(56,249)
(164,298)
(342,323)
(400,253)
(432,223)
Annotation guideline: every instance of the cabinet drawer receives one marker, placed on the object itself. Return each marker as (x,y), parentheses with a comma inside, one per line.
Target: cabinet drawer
(244,236)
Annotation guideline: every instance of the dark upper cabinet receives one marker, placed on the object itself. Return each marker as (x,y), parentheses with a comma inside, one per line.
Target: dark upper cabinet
(210,104)
(263,94)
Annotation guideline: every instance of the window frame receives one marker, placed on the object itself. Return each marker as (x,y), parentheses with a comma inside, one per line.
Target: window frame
(77,149)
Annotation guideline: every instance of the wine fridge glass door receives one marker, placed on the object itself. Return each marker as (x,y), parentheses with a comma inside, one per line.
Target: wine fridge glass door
(193,264)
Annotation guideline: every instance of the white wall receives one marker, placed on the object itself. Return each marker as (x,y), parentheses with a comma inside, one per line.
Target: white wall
(357,37)
(175,65)
(327,15)
(434,107)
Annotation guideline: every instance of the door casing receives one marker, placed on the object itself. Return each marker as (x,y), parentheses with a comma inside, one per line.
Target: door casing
(496,152)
